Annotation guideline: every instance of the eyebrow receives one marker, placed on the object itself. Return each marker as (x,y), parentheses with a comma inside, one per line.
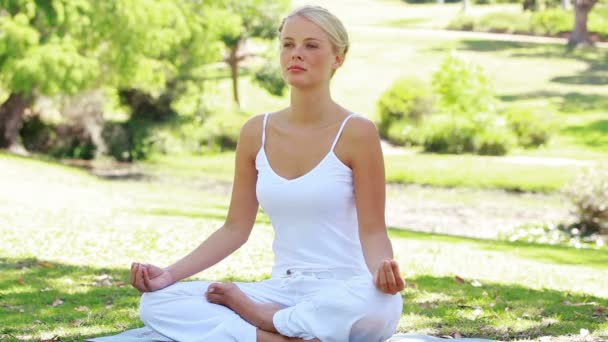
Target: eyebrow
(310,38)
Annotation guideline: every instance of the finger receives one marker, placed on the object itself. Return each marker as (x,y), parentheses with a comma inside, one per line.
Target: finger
(213,298)
(390,278)
(140,278)
(211,288)
(383,281)
(398,277)
(133,273)
(146,277)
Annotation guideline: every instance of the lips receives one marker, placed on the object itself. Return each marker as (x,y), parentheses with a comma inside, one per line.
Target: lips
(296,68)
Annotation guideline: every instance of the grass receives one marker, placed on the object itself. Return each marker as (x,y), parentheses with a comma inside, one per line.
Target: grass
(429,169)
(68,239)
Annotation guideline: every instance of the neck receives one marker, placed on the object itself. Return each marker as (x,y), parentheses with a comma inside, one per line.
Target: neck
(310,107)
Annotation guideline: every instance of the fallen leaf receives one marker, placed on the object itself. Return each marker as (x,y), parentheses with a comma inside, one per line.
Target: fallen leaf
(82,308)
(21,281)
(459,280)
(475,283)
(119,283)
(45,264)
(57,302)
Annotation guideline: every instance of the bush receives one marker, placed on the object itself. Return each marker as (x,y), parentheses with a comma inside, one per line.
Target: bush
(404,133)
(66,140)
(407,101)
(448,134)
(598,21)
(269,77)
(462,88)
(589,194)
(462,23)
(494,141)
(532,128)
(551,22)
(504,22)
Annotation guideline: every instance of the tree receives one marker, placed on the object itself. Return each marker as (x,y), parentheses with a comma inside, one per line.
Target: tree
(580,34)
(39,54)
(243,20)
(69,46)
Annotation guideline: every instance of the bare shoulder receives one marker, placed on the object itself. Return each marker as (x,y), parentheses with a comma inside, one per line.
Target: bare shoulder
(250,136)
(361,141)
(361,130)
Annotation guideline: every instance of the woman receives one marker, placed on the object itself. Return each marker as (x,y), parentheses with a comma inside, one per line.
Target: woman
(317,170)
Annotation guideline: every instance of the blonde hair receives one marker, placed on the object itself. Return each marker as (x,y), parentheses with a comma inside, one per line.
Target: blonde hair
(327,22)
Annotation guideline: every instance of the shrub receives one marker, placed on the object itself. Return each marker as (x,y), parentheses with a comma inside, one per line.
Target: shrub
(463,88)
(65,140)
(494,140)
(589,194)
(404,133)
(532,128)
(269,77)
(462,23)
(504,22)
(551,22)
(448,134)
(407,101)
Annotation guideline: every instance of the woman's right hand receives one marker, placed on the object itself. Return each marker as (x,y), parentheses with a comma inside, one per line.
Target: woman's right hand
(148,278)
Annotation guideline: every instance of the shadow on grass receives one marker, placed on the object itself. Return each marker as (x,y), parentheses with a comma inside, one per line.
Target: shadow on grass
(595,258)
(29,289)
(596,72)
(497,311)
(593,134)
(572,102)
(39,298)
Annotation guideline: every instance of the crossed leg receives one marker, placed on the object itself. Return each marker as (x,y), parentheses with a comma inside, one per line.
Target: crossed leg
(257,314)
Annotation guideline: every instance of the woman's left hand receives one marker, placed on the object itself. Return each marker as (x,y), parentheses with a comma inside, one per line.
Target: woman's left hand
(387,277)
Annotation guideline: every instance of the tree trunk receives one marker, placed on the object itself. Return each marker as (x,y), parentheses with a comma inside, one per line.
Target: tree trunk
(11,116)
(233,61)
(580,35)
(565,5)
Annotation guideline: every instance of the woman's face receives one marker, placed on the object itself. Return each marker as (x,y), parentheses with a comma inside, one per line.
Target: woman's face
(307,56)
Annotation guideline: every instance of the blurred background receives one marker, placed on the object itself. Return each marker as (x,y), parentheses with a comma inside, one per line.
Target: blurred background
(119,119)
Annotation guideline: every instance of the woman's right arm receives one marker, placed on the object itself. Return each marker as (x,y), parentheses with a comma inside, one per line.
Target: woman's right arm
(231,235)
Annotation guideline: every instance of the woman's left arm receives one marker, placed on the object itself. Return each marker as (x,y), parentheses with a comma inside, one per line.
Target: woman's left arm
(367,164)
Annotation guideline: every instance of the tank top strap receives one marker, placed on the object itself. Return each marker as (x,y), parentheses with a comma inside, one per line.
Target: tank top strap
(340,131)
(264,130)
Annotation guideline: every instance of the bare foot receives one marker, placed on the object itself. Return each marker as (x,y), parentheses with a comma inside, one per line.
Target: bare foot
(229,295)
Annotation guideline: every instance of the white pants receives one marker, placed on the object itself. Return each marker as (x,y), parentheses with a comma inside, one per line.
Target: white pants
(318,304)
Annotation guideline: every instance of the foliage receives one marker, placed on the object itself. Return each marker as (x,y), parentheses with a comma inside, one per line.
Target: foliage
(504,22)
(494,140)
(406,102)
(449,134)
(589,194)
(463,88)
(532,128)
(549,22)
(270,78)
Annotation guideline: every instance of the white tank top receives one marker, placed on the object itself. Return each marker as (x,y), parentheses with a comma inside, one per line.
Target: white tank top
(314,216)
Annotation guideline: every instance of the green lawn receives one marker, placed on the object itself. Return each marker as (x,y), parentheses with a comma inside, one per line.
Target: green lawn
(68,239)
